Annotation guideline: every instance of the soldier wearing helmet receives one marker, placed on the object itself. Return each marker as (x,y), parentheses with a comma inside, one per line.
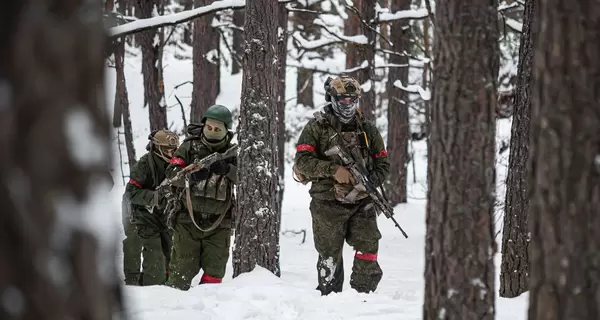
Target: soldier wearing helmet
(338,214)
(147,204)
(203,243)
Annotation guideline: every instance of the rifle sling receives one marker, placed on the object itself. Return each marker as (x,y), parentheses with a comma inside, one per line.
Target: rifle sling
(188,200)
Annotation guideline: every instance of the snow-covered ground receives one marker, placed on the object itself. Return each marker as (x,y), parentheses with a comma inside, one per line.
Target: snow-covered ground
(259,294)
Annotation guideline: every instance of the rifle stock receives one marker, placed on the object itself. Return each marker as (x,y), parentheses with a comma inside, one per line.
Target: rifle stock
(360,174)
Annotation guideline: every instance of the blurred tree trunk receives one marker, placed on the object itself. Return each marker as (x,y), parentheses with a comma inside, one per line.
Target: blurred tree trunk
(459,243)
(206,64)
(258,220)
(54,141)
(514,268)
(150,67)
(398,109)
(564,279)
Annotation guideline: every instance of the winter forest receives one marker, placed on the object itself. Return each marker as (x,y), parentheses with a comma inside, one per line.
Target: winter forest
(488,113)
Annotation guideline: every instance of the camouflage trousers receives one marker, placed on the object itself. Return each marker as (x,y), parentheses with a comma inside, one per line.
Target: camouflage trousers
(156,252)
(132,254)
(194,250)
(333,223)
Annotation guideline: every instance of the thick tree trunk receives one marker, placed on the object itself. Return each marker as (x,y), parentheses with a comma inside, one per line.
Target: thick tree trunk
(282,59)
(356,54)
(460,246)
(206,64)
(150,55)
(565,163)
(514,269)
(398,115)
(238,40)
(258,219)
(53,128)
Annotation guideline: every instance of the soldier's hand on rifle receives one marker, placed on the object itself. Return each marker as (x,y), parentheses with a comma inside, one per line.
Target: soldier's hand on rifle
(343,176)
(200,175)
(220,167)
(159,200)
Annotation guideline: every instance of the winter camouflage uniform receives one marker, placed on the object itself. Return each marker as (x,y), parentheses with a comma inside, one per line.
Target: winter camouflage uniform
(335,217)
(205,246)
(132,247)
(148,204)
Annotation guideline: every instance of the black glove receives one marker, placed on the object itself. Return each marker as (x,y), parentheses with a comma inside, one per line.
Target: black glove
(220,167)
(200,175)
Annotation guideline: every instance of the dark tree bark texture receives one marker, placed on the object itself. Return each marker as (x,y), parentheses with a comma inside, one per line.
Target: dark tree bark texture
(257,219)
(514,268)
(357,54)
(122,101)
(565,162)
(398,115)
(238,39)
(206,64)
(150,56)
(460,246)
(51,78)
(282,59)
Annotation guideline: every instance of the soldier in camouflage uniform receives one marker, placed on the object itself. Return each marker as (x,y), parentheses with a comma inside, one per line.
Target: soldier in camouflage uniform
(202,230)
(148,204)
(337,214)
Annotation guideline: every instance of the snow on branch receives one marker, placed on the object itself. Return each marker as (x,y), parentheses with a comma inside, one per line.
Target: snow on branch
(358,39)
(176,18)
(302,43)
(514,24)
(402,14)
(424,93)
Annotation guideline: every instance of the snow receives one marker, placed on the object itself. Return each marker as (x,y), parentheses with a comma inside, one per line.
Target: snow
(513,24)
(403,14)
(259,294)
(425,93)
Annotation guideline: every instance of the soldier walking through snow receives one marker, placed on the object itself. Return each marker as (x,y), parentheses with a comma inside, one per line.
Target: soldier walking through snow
(148,205)
(202,229)
(338,212)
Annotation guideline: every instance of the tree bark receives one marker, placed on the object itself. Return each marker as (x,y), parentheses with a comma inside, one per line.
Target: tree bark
(238,40)
(257,220)
(398,109)
(303,23)
(282,59)
(460,246)
(514,268)
(150,55)
(357,54)
(51,101)
(122,101)
(206,64)
(565,163)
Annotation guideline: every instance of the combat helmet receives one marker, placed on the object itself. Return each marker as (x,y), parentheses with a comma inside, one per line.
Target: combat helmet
(219,112)
(343,93)
(163,140)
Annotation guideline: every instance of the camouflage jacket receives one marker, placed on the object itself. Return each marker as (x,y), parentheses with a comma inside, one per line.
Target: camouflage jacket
(144,177)
(211,197)
(319,136)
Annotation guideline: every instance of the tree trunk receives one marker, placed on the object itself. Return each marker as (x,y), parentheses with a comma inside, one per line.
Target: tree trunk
(206,64)
(150,55)
(303,22)
(460,246)
(398,111)
(53,265)
(187,31)
(514,269)
(122,100)
(565,163)
(352,28)
(282,58)
(365,52)
(238,40)
(257,221)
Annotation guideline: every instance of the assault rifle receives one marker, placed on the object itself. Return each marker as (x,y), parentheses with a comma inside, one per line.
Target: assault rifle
(174,200)
(361,174)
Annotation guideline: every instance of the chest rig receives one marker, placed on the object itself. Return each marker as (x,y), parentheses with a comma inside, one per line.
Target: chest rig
(216,187)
